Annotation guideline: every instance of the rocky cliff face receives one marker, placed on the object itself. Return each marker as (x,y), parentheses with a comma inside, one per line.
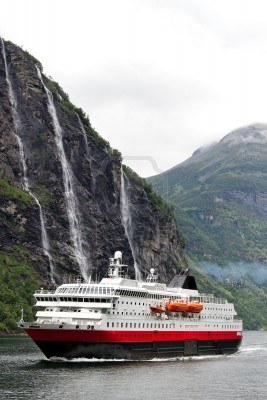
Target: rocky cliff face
(95,180)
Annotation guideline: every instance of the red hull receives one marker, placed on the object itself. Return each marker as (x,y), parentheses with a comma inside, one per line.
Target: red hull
(132,344)
(94,336)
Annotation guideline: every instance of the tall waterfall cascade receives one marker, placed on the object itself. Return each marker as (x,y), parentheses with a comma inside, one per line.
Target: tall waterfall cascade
(71,201)
(25,180)
(126,217)
(88,155)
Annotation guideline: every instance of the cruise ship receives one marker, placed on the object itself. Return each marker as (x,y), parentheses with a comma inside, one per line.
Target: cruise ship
(122,318)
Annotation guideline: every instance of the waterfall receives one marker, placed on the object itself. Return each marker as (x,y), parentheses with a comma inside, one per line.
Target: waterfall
(88,154)
(71,202)
(126,217)
(25,180)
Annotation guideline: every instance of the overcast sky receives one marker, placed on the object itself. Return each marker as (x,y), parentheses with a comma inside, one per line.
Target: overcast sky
(158,78)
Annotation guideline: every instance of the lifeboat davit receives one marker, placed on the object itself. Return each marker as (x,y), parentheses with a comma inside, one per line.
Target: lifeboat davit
(157,309)
(194,307)
(176,306)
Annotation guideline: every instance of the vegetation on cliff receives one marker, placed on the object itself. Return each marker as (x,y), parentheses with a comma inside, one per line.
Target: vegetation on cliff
(63,100)
(14,193)
(159,203)
(219,197)
(18,281)
(250,300)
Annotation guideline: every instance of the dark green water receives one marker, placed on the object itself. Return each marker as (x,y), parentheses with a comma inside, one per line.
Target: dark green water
(26,374)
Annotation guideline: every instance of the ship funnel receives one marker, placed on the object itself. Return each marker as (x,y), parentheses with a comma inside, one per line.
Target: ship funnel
(118,255)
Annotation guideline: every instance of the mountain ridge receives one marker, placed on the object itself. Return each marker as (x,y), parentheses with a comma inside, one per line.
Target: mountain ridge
(219,197)
(227,173)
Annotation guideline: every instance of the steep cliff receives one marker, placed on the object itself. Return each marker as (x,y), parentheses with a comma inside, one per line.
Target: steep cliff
(61,188)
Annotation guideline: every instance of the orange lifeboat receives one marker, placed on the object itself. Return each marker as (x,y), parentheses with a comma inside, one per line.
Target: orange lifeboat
(194,307)
(157,309)
(176,306)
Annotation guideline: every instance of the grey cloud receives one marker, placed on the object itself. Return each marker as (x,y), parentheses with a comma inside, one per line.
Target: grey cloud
(231,28)
(141,88)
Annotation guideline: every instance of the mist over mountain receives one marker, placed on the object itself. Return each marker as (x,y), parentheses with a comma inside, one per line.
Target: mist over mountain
(219,196)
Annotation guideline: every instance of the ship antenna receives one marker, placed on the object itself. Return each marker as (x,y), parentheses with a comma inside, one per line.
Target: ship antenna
(21,320)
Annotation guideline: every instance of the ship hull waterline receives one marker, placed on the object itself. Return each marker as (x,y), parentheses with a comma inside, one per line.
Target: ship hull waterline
(71,346)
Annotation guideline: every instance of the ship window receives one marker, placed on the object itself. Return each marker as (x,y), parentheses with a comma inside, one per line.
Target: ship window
(108,324)
(126,324)
(112,324)
(121,324)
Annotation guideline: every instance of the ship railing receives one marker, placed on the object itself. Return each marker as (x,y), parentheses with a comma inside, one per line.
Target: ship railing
(44,291)
(211,299)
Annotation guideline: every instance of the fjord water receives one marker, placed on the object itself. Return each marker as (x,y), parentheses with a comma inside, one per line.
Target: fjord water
(26,374)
